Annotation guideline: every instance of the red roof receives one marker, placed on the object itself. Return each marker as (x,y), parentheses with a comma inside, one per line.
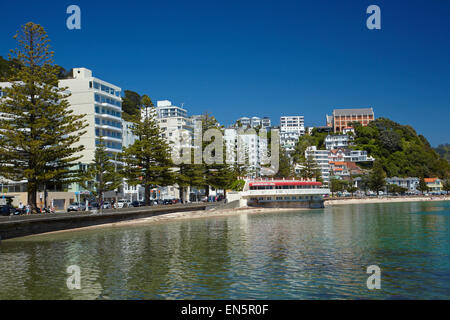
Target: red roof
(284,183)
(430,179)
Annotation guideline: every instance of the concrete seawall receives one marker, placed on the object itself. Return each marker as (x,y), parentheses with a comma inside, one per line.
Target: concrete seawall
(20,226)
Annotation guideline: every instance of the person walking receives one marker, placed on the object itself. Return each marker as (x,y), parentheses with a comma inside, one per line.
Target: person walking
(21,207)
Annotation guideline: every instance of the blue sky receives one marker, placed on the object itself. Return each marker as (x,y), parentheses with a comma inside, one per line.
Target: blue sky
(263,58)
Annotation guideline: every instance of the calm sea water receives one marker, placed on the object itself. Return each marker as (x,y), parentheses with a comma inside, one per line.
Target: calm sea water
(314,254)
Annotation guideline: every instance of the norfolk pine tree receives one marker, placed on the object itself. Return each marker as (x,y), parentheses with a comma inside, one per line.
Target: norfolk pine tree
(377,177)
(38,127)
(148,161)
(423,187)
(189,175)
(309,168)
(101,175)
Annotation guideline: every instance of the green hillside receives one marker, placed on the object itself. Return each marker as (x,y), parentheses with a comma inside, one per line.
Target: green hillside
(444,151)
(400,149)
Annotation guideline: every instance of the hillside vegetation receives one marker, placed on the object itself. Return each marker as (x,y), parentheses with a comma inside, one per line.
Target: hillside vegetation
(8,69)
(401,151)
(444,151)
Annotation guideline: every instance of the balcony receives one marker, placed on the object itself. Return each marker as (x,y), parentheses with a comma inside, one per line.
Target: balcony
(106,114)
(108,127)
(113,139)
(106,104)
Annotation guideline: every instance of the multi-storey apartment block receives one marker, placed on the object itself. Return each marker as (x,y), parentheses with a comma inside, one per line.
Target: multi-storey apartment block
(291,128)
(254,147)
(253,122)
(321,157)
(101,102)
(175,125)
(342,154)
(338,141)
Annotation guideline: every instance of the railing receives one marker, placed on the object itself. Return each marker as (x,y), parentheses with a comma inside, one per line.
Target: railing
(282,192)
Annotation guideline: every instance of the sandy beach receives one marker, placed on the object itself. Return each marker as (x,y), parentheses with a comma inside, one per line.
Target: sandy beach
(181,216)
(247,210)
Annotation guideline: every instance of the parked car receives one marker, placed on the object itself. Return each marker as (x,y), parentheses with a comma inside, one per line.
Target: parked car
(136,203)
(6,210)
(122,204)
(94,205)
(76,207)
(107,205)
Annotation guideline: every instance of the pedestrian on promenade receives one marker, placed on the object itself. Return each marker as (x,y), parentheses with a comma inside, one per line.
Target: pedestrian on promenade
(28,209)
(21,207)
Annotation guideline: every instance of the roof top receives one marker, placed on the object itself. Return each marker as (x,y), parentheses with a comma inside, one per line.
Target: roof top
(349,112)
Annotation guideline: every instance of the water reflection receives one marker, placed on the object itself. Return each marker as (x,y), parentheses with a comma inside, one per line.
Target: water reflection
(314,254)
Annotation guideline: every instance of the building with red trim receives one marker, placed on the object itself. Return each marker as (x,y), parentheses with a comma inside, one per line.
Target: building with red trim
(284,193)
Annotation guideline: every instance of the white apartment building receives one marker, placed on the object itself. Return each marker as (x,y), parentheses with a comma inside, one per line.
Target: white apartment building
(411,183)
(337,141)
(293,124)
(254,122)
(165,109)
(349,155)
(251,143)
(175,125)
(101,102)
(128,138)
(266,123)
(291,129)
(322,158)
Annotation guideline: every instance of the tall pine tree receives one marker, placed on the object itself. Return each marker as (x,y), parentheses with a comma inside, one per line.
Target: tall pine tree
(377,177)
(148,161)
(102,174)
(309,168)
(38,127)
